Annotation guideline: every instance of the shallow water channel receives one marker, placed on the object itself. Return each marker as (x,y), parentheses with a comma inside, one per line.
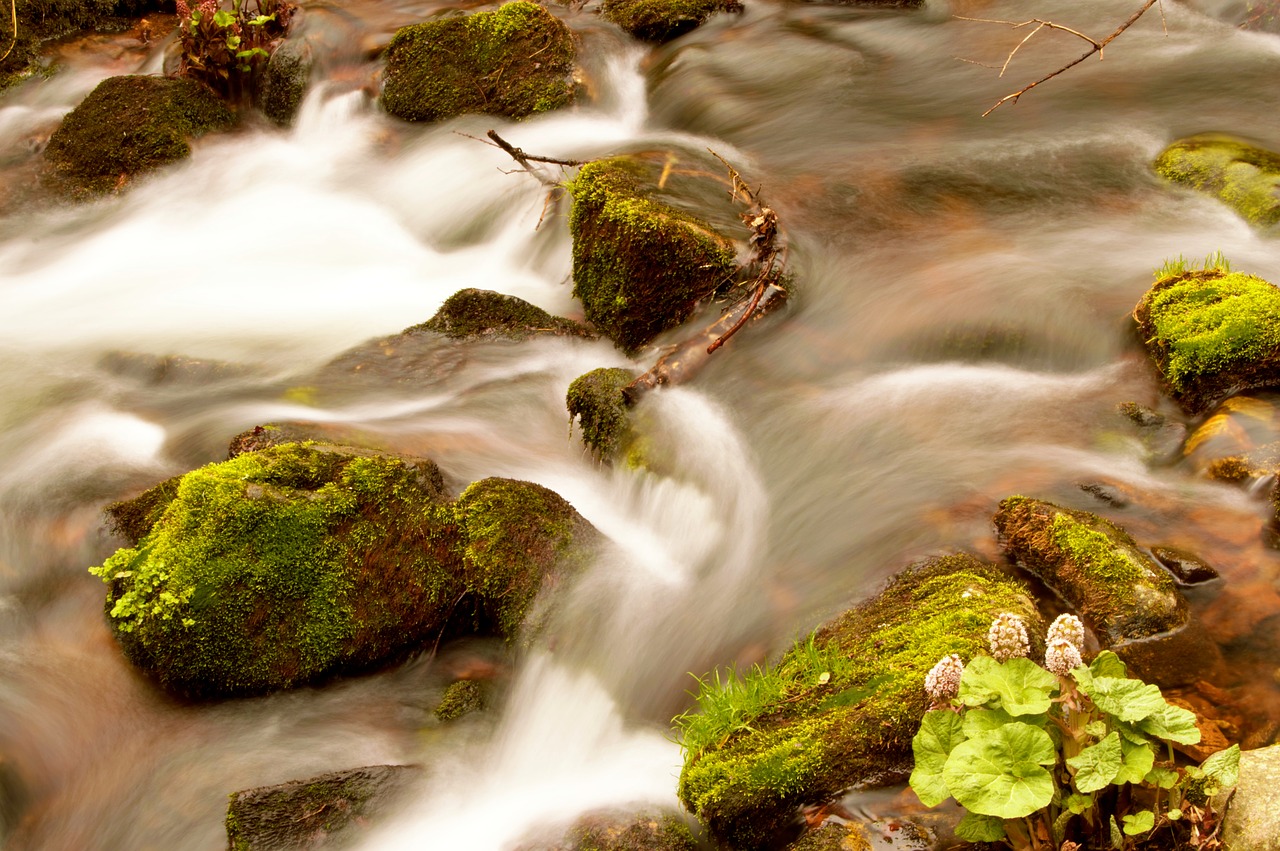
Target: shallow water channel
(960,333)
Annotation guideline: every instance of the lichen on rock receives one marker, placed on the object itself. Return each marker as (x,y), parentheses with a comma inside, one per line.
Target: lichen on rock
(1245,177)
(128,126)
(474,313)
(595,399)
(1211,334)
(662,20)
(513,62)
(639,265)
(842,706)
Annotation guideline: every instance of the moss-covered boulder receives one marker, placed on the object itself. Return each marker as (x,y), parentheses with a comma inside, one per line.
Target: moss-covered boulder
(285,80)
(308,813)
(662,20)
(471,314)
(132,519)
(1244,177)
(596,401)
(299,560)
(842,706)
(1119,591)
(1211,334)
(460,698)
(128,126)
(639,265)
(513,62)
(42,20)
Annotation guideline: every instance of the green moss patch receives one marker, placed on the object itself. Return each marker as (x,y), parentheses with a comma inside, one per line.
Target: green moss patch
(1244,177)
(460,698)
(662,20)
(1120,592)
(472,313)
(1211,334)
(126,127)
(621,831)
(639,265)
(842,706)
(596,400)
(514,62)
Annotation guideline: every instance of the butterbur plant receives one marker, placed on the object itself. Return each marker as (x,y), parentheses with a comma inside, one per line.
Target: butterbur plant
(226,49)
(1065,755)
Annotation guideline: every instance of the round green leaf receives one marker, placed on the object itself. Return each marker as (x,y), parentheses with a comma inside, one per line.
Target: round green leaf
(977,828)
(939,733)
(1140,822)
(1000,773)
(1096,765)
(1022,686)
(1138,760)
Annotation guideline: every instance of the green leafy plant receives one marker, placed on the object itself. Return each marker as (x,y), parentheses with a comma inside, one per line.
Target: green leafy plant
(1215,262)
(1063,756)
(226,49)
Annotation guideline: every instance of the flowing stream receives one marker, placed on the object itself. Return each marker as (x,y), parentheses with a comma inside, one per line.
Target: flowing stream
(960,333)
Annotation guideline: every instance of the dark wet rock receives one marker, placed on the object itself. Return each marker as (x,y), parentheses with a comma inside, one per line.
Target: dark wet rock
(1259,463)
(847,701)
(1187,568)
(304,814)
(615,830)
(871,4)
(514,62)
(1246,178)
(167,370)
(1211,334)
(40,21)
(1162,437)
(833,837)
(296,561)
(1252,819)
(126,127)
(268,435)
(459,699)
(639,265)
(1125,597)
(285,80)
(132,519)
(596,400)
(662,20)
(1106,492)
(898,835)
(473,313)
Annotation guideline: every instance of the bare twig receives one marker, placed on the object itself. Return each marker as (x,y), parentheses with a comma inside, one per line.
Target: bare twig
(1094,47)
(525,159)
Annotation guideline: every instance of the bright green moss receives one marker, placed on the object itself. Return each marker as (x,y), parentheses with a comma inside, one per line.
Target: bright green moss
(1119,591)
(639,266)
(1244,177)
(842,706)
(513,62)
(662,20)
(128,126)
(597,401)
(1212,333)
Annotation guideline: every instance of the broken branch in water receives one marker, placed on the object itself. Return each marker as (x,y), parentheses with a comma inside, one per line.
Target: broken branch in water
(524,159)
(1094,47)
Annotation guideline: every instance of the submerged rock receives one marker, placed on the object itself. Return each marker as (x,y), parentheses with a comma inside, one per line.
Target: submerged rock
(842,706)
(285,80)
(295,561)
(126,127)
(596,400)
(1211,334)
(662,20)
(618,830)
(307,813)
(1244,177)
(514,62)
(460,698)
(639,265)
(472,313)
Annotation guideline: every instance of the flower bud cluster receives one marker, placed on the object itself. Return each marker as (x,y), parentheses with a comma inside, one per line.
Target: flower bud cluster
(943,680)
(1062,657)
(1008,637)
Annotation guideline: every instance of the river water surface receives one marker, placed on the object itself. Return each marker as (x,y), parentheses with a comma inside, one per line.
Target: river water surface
(960,333)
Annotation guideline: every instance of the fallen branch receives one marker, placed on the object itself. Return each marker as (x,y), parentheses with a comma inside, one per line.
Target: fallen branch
(524,159)
(1094,47)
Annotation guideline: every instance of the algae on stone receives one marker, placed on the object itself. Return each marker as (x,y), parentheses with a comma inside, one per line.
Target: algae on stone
(1211,334)
(1119,591)
(1244,177)
(662,20)
(639,265)
(596,400)
(474,313)
(285,80)
(128,126)
(841,707)
(513,62)
(460,698)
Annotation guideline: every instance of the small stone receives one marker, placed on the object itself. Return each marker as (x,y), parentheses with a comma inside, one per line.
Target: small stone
(1187,569)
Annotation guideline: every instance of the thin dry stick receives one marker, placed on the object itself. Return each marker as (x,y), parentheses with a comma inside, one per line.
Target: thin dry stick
(13,13)
(1096,47)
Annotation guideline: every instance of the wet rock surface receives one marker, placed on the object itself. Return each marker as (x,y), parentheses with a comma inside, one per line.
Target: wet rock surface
(662,20)
(1252,820)
(1241,175)
(474,314)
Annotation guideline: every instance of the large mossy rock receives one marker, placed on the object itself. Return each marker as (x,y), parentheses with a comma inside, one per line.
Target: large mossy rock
(1244,177)
(639,265)
(1211,334)
(841,707)
(126,127)
(513,62)
(305,814)
(473,314)
(595,399)
(662,20)
(295,561)
(285,80)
